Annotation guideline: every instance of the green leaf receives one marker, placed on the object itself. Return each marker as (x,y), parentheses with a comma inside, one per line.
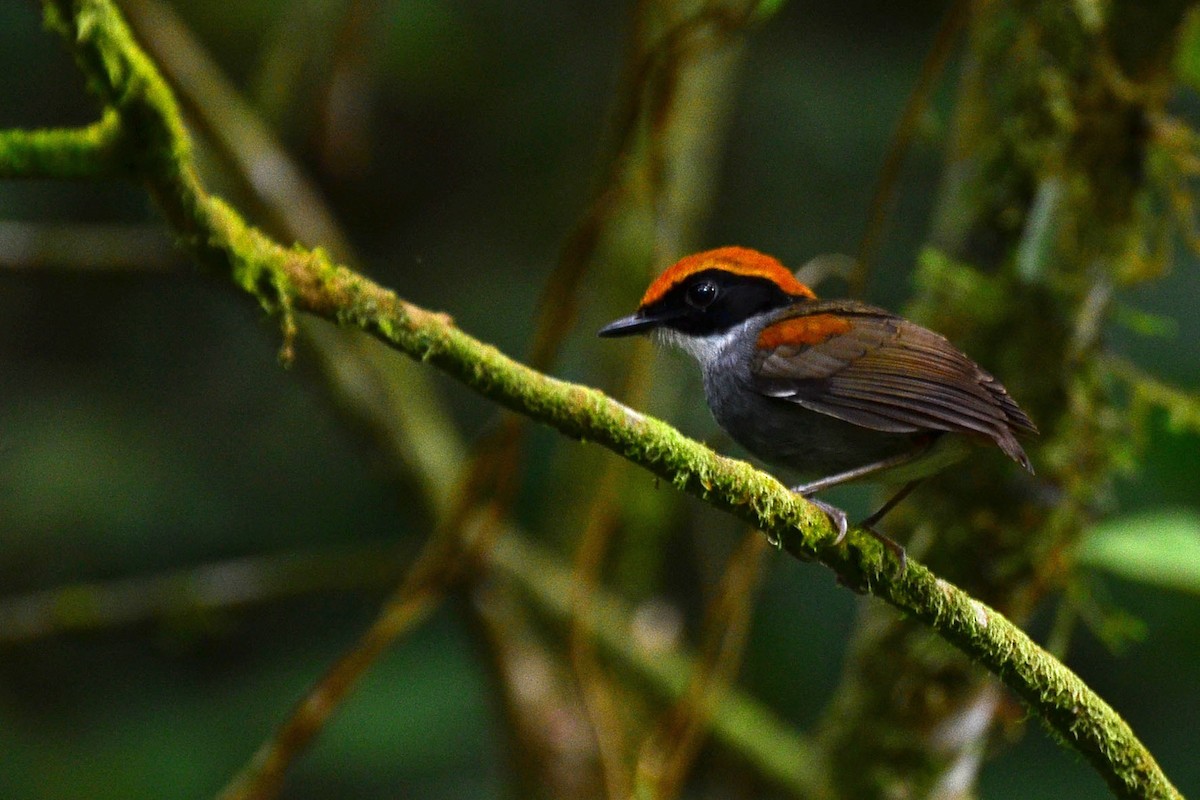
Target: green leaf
(1160,548)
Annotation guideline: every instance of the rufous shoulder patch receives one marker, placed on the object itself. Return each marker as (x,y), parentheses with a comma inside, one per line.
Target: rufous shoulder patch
(807,331)
(737,260)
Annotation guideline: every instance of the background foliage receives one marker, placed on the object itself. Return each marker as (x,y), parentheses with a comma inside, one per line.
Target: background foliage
(145,426)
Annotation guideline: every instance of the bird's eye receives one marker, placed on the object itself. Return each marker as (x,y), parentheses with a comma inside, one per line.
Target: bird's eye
(701,295)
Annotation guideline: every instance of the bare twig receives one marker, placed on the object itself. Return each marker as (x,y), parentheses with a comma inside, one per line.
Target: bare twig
(195,590)
(30,246)
(669,752)
(775,752)
(423,586)
(946,37)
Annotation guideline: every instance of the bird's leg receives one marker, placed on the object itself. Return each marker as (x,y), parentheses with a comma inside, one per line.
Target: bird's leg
(904,492)
(837,479)
(838,517)
(868,524)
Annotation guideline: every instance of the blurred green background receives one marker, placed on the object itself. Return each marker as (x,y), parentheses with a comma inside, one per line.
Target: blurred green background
(146,426)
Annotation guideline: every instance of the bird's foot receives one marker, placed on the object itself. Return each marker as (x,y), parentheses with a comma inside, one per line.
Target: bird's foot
(889,543)
(836,516)
(842,524)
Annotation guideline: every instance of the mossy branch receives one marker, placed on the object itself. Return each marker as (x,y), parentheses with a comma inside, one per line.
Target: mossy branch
(63,153)
(141,112)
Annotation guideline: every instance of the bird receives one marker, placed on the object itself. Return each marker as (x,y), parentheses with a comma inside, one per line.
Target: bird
(833,390)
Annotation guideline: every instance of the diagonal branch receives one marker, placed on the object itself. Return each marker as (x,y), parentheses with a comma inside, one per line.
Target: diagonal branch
(287,280)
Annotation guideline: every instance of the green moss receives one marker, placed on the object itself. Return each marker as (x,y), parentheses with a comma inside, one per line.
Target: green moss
(89,152)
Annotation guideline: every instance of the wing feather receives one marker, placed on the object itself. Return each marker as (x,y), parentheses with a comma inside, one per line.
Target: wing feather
(920,411)
(888,374)
(944,399)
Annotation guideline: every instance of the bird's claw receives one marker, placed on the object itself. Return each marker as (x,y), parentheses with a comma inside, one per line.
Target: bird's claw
(842,525)
(890,544)
(836,516)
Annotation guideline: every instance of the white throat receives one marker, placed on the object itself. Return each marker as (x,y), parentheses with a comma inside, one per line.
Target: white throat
(705,349)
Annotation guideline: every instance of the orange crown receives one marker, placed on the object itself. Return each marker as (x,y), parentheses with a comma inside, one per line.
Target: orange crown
(737,260)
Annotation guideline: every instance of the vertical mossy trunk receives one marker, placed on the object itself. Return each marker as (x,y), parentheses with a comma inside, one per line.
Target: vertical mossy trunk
(1044,208)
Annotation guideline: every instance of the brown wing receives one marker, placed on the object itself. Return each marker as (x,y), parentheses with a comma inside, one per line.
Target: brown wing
(866,366)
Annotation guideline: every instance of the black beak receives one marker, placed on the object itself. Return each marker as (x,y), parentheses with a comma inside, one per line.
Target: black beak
(627,326)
